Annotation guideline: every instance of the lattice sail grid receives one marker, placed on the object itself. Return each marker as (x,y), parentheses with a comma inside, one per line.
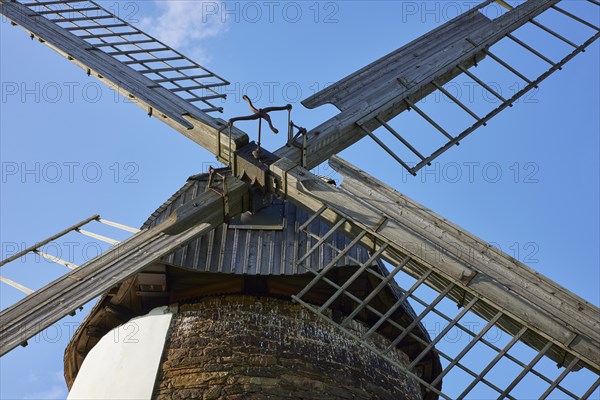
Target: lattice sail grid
(485,353)
(444,112)
(124,42)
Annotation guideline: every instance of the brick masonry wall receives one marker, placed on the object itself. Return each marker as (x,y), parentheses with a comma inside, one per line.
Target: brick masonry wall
(243,347)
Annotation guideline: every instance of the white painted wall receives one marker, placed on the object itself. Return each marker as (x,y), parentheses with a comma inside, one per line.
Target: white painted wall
(124,364)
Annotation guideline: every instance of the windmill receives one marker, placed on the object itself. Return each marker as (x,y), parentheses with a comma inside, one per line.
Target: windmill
(310,192)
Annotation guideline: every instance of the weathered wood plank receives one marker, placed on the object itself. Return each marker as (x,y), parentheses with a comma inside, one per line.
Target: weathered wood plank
(63,296)
(16,285)
(305,189)
(48,240)
(387,99)
(154,99)
(373,78)
(483,257)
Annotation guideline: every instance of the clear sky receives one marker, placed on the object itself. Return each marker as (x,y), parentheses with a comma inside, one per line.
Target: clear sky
(70,148)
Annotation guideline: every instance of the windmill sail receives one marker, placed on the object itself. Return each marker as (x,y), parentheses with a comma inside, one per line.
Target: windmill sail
(369,98)
(432,263)
(426,251)
(164,82)
(49,304)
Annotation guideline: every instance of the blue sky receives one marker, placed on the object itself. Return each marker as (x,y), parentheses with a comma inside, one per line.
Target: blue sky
(528,182)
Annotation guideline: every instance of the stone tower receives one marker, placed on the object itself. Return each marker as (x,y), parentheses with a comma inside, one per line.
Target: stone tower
(215,320)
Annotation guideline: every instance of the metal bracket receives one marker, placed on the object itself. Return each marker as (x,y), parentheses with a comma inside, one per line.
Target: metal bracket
(223,192)
(260,114)
(467,277)
(293,140)
(212,183)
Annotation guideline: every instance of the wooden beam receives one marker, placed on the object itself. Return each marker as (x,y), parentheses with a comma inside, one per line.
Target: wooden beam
(71,291)
(571,331)
(50,239)
(16,285)
(156,100)
(379,90)
(571,309)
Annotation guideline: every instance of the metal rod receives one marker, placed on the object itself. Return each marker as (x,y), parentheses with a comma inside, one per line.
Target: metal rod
(51,238)
(99,237)
(111,34)
(128,52)
(428,119)
(327,235)
(207,86)
(354,276)
(16,285)
(482,83)
(443,333)
(560,378)
(468,347)
(312,218)
(492,363)
(50,3)
(531,364)
(384,282)
(534,51)
(117,225)
(133,42)
(353,336)
(385,147)
(58,20)
(591,390)
(553,33)
(98,26)
(325,270)
(182,78)
(177,69)
(454,99)
(149,60)
(77,10)
(397,326)
(212,109)
(489,344)
(56,259)
(496,111)
(204,98)
(507,66)
(575,17)
(415,321)
(399,137)
(396,305)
